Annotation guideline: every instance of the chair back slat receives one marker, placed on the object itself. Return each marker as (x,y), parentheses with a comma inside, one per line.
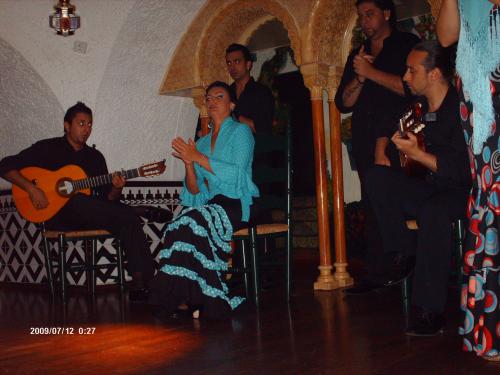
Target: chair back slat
(272,172)
(269,202)
(266,175)
(268,143)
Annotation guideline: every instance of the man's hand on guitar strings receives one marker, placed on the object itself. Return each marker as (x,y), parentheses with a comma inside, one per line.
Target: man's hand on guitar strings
(118,180)
(38,198)
(406,143)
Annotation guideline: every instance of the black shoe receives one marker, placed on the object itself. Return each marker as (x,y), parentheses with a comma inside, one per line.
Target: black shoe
(138,295)
(428,324)
(364,286)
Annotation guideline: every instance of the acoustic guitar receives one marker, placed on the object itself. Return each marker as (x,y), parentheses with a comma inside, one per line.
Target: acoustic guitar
(411,121)
(60,185)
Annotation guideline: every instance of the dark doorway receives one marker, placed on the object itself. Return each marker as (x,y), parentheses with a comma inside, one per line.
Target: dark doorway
(292,91)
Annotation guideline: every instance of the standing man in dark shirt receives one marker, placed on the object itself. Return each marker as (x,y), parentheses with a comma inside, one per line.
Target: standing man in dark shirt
(371,88)
(82,211)
(255,102)
(434,201)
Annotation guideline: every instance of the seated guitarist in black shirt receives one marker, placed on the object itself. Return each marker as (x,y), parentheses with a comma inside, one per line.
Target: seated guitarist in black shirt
(98,211)
(434,200)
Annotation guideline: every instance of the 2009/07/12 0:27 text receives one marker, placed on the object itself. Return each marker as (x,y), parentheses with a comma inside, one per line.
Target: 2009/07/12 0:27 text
(62,331)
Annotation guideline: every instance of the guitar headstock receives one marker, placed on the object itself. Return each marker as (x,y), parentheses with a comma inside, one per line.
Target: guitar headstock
(411,121)
(152,169)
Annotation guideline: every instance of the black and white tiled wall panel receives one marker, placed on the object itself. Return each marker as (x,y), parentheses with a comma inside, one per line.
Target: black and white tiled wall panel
(21,252)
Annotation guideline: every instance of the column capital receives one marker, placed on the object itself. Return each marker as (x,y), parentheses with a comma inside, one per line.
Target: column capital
(315,78)
(334,77)
(316,92)
(331,93)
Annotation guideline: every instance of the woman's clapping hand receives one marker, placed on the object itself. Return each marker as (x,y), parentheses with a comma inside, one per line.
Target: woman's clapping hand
(187,152)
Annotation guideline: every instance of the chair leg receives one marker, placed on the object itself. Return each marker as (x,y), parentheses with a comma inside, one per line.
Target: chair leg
(119,256)
(62,265)
(245,267)
(255,271)
(459,246)
(87,258)
(289,265)
(93,266)
(48,265)
(405,291)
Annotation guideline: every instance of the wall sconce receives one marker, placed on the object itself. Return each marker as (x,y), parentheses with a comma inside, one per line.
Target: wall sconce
(64,20)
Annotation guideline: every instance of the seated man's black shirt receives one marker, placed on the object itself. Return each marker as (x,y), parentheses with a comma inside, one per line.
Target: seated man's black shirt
(375,102)
(257,103)
(55,153)
(444,138)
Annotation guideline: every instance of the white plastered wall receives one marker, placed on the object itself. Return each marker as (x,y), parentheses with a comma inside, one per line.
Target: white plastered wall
(129,45)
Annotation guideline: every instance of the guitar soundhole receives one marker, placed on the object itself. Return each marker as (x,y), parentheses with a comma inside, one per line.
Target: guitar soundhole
(65,187)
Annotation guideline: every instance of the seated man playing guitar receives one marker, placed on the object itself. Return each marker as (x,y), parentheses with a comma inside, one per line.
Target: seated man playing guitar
(435,199)
(97,211)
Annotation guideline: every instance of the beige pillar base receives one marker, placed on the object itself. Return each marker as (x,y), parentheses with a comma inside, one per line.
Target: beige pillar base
(325,280)
(341,275)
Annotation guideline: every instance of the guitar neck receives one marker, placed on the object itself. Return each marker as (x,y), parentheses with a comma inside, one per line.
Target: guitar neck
(105,179)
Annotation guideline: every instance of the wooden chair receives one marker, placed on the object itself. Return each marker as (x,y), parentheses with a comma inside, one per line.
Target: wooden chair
(458,227)
(89,264)
(275,183)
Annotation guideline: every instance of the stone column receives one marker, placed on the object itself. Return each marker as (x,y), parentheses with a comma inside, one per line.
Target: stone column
(316,81)
(341,275)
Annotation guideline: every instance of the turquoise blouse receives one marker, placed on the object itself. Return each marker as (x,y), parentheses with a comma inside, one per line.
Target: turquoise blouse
(231,163)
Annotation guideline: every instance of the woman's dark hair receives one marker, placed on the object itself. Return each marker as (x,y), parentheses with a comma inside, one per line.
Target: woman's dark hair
(438,57)
(79,107)
(225,86)
(383,5)
(240,47)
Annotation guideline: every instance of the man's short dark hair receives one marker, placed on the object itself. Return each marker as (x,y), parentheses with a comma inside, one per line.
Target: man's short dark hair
(79,107)
(438,57)
(383,5)
(225,86)
(240,47)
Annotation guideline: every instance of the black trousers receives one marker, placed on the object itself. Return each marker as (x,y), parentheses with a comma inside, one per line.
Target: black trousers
(87,212)
(375,259)
(396,198)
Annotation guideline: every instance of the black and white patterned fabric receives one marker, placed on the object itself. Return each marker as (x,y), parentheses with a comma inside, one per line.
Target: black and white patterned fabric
(21,251)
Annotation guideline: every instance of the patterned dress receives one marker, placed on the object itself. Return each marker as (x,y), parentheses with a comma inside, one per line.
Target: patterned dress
(196,243)
(481,263)
(194,260)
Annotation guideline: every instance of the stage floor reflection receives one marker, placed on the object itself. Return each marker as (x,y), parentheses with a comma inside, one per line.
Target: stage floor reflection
(318,333)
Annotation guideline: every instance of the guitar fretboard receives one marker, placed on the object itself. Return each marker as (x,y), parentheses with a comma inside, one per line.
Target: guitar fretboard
(105,179)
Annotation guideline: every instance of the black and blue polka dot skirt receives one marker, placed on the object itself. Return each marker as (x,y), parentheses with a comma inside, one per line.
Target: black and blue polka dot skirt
(193,262)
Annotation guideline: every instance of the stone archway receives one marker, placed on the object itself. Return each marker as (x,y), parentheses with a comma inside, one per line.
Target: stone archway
(320,36)
(236,23)
(199,59)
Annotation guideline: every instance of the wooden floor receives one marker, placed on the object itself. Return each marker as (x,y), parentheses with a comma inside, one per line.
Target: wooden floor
(319,333)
